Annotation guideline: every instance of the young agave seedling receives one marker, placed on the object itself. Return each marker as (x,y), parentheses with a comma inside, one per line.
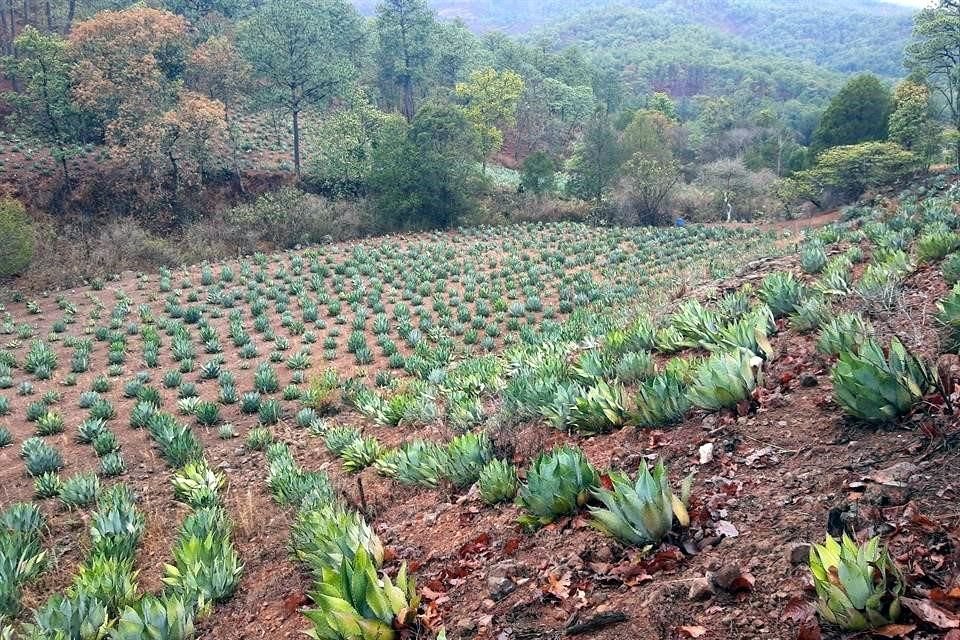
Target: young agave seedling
(858,586)
(641,512)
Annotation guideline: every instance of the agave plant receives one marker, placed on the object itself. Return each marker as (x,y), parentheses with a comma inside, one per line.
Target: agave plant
(109,580)
(600,409)
(198,485)
(949,318)
(640,512)
(858,586)
(935,244)
(80,490)
(75,616)
(813,258)
(750,331)
(115,532)
(877,388)
(167,617)
(782,292)
(725,380)
(321,538)
(696,323)
(661,401)
(289,484)
(205,570)
(811,314)
(420,462)
(360,454)
(353,602)
(339,438)
(466,456)
(497,482)
(558,483)
(845,332)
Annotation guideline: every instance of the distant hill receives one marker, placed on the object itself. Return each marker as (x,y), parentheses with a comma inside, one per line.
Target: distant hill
(843,35)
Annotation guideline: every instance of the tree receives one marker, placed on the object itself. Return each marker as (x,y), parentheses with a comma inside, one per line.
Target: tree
(491,102)
(346,140)
(737,192)
(934,55)
(548,115)
(126,63)
(176,147)
(912,124)
(422,175)
(595,161)
(858,113)
(539,174)
(217,69)
(209,18)
(308,51)
(651,133)
(663,103)
(43,108)
(406,46)
(456,48)
(848,171)
(648,182)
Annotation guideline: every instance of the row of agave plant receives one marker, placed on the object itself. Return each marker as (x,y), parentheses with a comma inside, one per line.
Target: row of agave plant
(871,384)
(104,601)
(579,382)
(467,301)
(344,554)
(352,596)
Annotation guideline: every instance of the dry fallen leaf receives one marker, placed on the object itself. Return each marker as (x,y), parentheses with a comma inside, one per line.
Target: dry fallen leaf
(803,614)
(894,630)
(692,631)
(558,586)
(930,613)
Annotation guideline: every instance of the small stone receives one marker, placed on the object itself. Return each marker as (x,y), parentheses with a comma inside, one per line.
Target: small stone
(500,587)
(700,589)
(466,626)
(808,381)
(798,553)
(706,453)
(732,578)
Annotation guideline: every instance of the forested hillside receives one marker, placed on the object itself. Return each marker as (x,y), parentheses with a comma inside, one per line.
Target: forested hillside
(842,35)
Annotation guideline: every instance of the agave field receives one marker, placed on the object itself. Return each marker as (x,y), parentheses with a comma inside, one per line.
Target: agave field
(512,432)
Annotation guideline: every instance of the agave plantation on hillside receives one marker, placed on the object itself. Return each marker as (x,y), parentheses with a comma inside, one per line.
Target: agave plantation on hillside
(582,331)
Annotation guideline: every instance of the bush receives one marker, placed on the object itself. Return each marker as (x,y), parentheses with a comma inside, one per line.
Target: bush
(849,171)
(16,237)
(288,217)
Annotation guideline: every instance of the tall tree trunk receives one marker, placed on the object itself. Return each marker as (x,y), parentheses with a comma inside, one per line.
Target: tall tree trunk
(66,170)
(296,142)
(71,11)
(49,15)
(408,106)
(231,134)
(13,34)
(7,43)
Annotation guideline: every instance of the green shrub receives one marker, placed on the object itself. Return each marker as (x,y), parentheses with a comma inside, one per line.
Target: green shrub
(16,237)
